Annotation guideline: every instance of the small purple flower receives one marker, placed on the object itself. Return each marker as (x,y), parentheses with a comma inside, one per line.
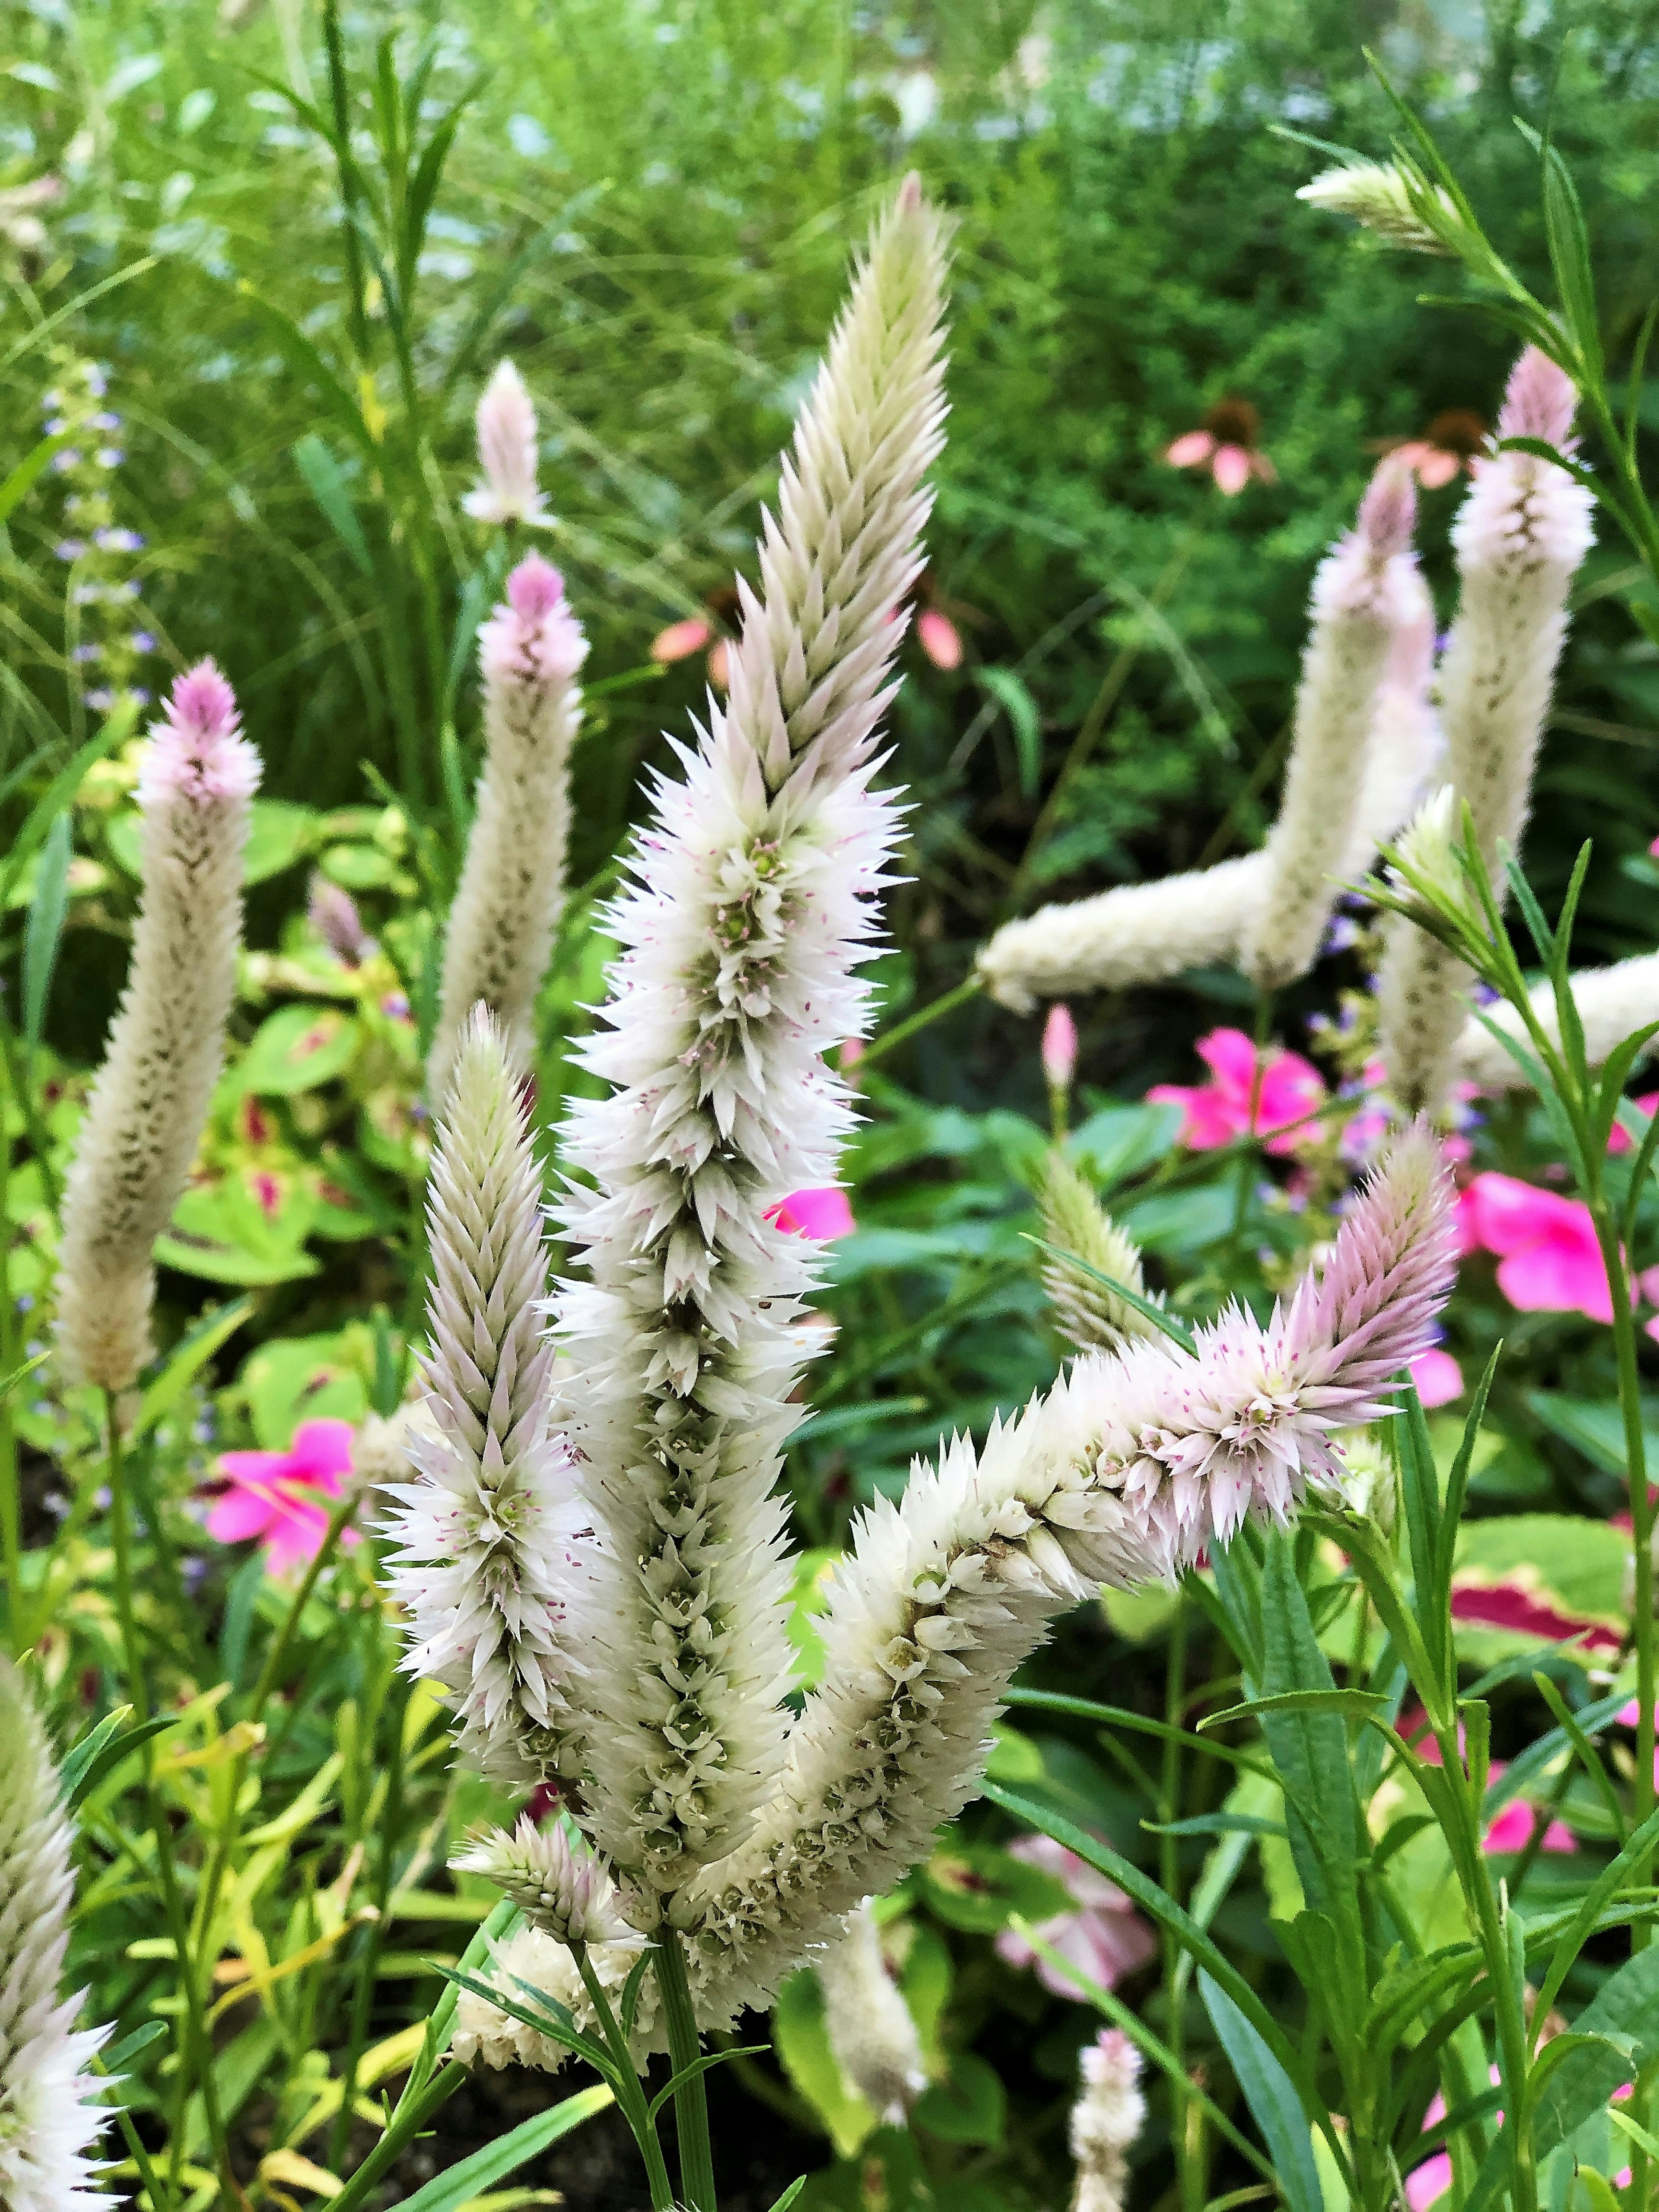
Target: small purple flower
(109,457)
(88,595)
(67,459)
(1342,932)
(96,382)
(56,425)
(101,700)
(107,420)
(396,1005)
(83,653)
(117,541)
(26,1303)
(142,641)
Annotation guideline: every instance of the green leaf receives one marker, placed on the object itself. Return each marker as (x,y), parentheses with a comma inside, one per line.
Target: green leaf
(302,1378)
(1309,1746)
(220,1233)
(1594,1426)
(33,464)
(60,793)
(970,2108)
(109,1753)
(1177,1331)
(1010,693)
(698,2066)
(327,483)
(445,2192)
(1271,2095)
(297,1049)
(1559,1564)
(1627,2007)
(1354,1704)
(188,1358)
(975,1887)
(790,2195)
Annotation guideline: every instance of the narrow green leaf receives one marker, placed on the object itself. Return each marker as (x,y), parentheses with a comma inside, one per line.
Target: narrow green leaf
(1271,2097)
(790,2195)
(700,2066)
(61,790)
(187,1360)
(325,480)
(1354,1704)
(1626,2008)
(1010,691)
(34,465)
(444,2192)
(110,1754)
(1174,1330)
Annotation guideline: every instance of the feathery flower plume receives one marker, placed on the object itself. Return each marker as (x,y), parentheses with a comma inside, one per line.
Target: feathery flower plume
(48,2120)
(1088,1315)
(1522,531)
(871,2032)
(149,1099)
(1144,933)
(1106,2118)
(506,420)
(491,1540)
(1613,1004)
(1375,195)
(506,903)
(751,906)
(554,1881)
(1366,591)
(1131,1467)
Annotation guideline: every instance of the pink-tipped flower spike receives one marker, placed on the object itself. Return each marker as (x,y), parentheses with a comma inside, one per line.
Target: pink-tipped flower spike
(1133,1466)
(507,453)
(1108,2116)
(499,934)
(1058,1047)
(149,1100)
(1367,591)
(1520,537)
(554,1879)
(872,2033)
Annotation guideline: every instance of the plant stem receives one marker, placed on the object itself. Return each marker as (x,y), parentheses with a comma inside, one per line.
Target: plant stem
(630,2095)
(690,2100)
(1185,2142)
(912,1023)
(362,1995)
(11,1523)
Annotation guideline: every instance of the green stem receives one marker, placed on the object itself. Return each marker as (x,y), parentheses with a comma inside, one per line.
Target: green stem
(362,1995)
(1190,2169)
(902,1031)
(630,2095)
(691,2101)
(11,1519)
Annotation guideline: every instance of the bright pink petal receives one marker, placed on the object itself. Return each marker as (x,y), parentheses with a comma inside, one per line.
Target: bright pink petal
(1437,468)
(1231,469)
(240,1514)
(1438,1377)
(681,640)
(1232,1057)
(1194,446)
(1212,1119)
(320,1453)
(938,638)
(1506,1214)
(296,1536)
(824,1213)
(1427,2184)
(1556,1277)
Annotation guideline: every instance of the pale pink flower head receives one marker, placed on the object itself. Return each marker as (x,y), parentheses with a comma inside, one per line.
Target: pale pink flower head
(332,913)
(938,638)
(1289,1090)
(824,1213)
(1058,1047)
(1549,1259)
(1104,1938)
(506,422)
(681,639)
(1388,513)
(1539,402)
(1226,446)
(283,1498)
(533,637)
(197,752)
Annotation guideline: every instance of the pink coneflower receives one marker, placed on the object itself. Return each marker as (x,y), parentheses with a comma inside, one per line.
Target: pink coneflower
(283,1498)
(1226,446)
(1453,442)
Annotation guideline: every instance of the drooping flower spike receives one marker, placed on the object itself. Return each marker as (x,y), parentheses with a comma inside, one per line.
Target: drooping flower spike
(872,2034)
(149,1099)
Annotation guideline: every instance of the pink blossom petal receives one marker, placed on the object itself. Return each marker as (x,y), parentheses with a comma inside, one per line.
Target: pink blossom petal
(720,661)
(1427,2184)
(938,638)
(321,1453)
(1194,446)
(681,640)
(1437,468)
(824,1213)
(1438,1377)
(1232,469)
(240,1514)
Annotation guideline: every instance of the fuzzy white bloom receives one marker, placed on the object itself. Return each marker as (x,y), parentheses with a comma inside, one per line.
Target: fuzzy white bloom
(1206,917)
(1613,1004)
(506,421)
(554,1881)
(1088,1315)
(1427,849)
(751,905)
(491,1549)
(48,2120)
(1366,591)
(1521,535)
(506,903)
(1108,2116)
(872,2034)
(483,2030)
(1374,194)
(149,1099)
(1131,1467)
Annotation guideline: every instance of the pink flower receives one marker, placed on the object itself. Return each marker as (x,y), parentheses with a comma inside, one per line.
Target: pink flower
(1550,1260)
(1226,446)
(1290,1089)
(198,750)
(533,637)
(1629,1716)
(938,638)
(1427,2184)
(681,639)
(283,1497)
(505,423)
(1104,1939)
(1438,1377)
(1619,1138)
(1058,1047)
(1511,1831)
(825,1214)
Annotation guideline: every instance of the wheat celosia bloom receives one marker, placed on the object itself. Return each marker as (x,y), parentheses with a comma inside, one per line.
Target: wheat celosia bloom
(554,1881)
(1521,535)
(1613,1004)
(1375,195)
(48,2121)
(149,1099)
(490,1552)
(1131,1467)
(1089,1314)
(872,2035)
(1366,738)
(1366,591)
(506,421)
(751,906)
(506,903)
(1106,2118)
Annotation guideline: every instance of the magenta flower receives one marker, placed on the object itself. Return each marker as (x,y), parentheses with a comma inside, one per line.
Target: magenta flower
(1290,1089)
(681,639)
(1105,1938)
(938,638)
(1619,1138)
(1512,1829)
(824,1213)
(283,1498)
(1438,1377)
(1058,1047)
(1549,1260)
